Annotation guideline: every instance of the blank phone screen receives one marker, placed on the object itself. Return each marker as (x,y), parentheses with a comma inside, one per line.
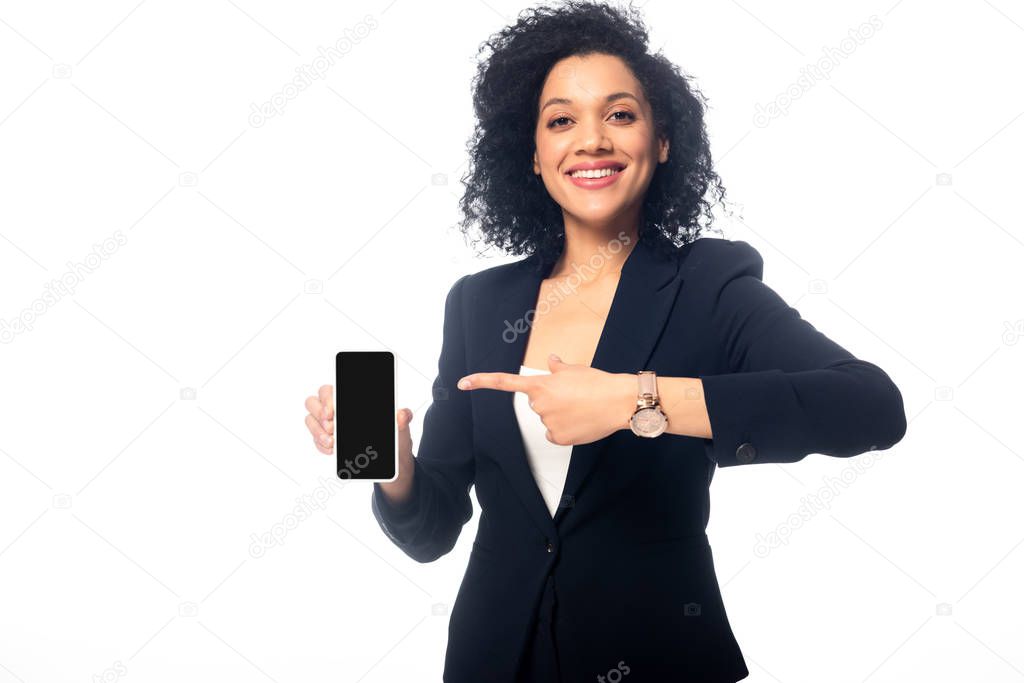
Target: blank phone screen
(365,414)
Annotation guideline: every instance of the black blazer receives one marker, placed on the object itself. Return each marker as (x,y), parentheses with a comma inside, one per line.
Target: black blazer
(626,553)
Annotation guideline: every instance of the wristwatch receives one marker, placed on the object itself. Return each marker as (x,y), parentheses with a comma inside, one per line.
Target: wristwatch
(648,419)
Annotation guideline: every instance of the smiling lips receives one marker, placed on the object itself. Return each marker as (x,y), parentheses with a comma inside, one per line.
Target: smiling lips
(595,176)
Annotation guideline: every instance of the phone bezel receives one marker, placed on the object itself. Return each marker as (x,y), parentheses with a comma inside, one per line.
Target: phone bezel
(337,421)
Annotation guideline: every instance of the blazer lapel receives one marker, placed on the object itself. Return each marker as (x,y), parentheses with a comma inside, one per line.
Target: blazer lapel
(647,288)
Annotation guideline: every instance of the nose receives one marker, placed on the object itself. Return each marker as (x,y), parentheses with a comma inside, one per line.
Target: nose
(592,136)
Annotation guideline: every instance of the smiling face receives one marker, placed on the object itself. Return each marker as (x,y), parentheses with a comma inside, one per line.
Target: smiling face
(593,114)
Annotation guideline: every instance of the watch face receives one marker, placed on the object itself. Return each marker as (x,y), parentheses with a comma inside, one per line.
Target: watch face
(649,422)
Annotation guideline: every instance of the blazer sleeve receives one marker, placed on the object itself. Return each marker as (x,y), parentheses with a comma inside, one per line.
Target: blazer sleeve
(789,390)
(427,524)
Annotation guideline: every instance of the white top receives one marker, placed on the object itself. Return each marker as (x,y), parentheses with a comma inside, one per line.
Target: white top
(549,462)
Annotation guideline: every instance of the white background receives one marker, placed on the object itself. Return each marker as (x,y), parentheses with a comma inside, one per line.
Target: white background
(127,513)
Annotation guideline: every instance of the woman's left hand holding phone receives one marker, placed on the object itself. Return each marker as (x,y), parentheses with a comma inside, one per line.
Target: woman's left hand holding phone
(320,422)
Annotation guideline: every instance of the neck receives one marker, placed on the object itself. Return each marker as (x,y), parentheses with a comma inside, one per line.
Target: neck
(593,250)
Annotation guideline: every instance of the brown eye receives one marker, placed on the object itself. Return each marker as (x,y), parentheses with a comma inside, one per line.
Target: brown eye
(630,116)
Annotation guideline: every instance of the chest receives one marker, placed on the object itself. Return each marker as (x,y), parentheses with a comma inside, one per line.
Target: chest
(569,321)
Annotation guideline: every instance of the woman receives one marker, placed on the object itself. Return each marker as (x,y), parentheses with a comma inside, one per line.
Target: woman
(591,560)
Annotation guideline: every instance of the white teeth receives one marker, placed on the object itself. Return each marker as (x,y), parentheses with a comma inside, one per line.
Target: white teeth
(595,174)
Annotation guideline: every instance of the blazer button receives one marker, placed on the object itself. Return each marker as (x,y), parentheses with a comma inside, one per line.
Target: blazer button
(550,547)
(746,453)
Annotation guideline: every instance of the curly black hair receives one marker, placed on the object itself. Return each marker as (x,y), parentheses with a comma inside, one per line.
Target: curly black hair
(509,202)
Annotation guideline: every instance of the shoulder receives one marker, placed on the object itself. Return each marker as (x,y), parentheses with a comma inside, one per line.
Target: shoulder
(483,283)
(493,279)
(714,259)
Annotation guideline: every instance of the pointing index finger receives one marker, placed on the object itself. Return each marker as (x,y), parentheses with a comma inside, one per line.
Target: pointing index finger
(502,381)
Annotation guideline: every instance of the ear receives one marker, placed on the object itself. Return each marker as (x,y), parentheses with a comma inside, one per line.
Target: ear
(536,166)
(663,151)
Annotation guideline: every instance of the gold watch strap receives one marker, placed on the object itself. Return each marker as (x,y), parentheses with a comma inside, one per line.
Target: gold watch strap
(648,394)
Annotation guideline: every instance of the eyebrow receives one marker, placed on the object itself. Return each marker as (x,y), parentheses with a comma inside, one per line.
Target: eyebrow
(610,98)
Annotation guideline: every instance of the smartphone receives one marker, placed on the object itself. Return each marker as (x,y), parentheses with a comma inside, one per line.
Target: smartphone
(365,426)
